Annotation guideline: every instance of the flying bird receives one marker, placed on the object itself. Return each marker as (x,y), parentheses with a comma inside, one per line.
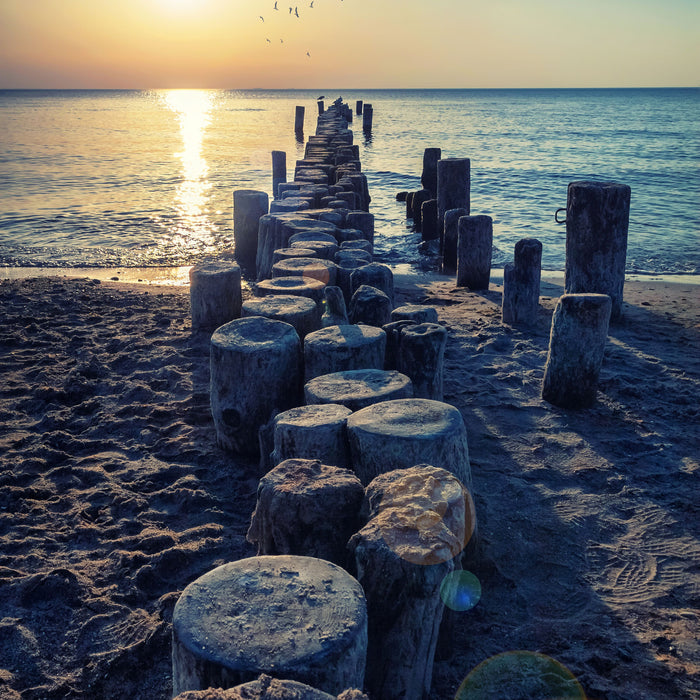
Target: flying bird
(268,41)
(262,18)
(296,11)
(275,7)
(290,10)
(308,54)
(312,3)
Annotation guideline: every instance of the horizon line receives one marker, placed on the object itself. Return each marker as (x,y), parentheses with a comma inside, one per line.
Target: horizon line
(376,89)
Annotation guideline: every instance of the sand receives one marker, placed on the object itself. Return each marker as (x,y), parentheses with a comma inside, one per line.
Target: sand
(114,495)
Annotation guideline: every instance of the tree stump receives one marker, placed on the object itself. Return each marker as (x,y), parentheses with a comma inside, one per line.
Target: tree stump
(521,284)
(358,388)
(393,342)
(306,268)
(576,348)
(340,348)
(421,357)
(294,507)
(299,286)
(297,617)
(301,312)
(375,275)
(597,219)
(474,247)
(313,432)
(256,367)
(418,313)
(405,432)
(448,239)
(248,207)
(215,294)
(334,313)
(371,306)
(454,186)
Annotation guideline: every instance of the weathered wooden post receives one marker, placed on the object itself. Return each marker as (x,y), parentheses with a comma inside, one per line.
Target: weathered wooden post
(215,294)
(576,348)
(242,618)
(299,119)
(417,207)
(295,520)
(393,341)
(474,245)
(371,306)
(334,313)
(421,355)
(454,185)
(321,106)
(367,114)
(317,431)
(428,218)
(418,313)
(429,177)
(597,219)
(279,171)
(358,108)
(302,313)
(256,369)
(448,239)
(248,207)
(375,275)
(521,283)
(363,221)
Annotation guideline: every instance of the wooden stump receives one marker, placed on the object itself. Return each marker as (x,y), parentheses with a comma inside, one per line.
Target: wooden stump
(375,275)
(521,284)
(295,500)
(299,119)
(474,247)
(358,388)
(306,268)
(576,348)
(353,255)
(243,618)
(418,313)
(215,294)
(363,221)
(421,357)
(417,201)
(248,207)
(355,244)
(312,432)
(344,276)
(597,219)
(301,312)
(428,217)
(448,239)
(313,234)
(454,186)
(256,367)
(405,432)
(279,171)
(393,341)
(285,253)
(340,348)
(299,286)
(334,313)
(371,306)
(429,176)
(323,250)
(289,205)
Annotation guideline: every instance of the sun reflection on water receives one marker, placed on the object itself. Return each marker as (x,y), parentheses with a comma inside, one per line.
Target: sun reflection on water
(193,109)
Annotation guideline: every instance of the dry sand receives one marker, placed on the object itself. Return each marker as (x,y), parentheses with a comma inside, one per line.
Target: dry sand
(114,495)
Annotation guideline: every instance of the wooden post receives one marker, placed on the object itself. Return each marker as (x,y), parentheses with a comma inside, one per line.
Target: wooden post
(375,275)
(576,348)
(295,520)
(215,647)
(358,388)
(362,220)
(358,108)
(256,368)
(418,313)
(406,432)
(279,171)
(421,355)
(314,268)
(428,218)
(300,312)
(335,313)
(320,107)
(248,207)
(428,178)
(417,208)
(312,432)
(299,119)
(448,239)
(454,184)
(367,114)
(597,219)
(521,283)
(393,341)
(371,306)
(215,294)
(474,245)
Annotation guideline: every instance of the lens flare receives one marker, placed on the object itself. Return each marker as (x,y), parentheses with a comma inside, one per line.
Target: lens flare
(460,590)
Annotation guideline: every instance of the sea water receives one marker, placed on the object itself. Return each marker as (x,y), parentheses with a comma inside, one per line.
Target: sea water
(145,178)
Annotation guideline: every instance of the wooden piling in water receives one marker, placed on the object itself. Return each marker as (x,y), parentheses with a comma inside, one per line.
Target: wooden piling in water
(474,245)
(279,171)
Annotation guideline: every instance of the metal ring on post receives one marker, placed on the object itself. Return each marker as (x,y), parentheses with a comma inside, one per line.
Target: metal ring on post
(556,217)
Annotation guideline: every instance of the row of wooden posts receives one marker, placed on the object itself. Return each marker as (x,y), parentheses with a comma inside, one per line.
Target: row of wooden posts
(366,486)
(597,218)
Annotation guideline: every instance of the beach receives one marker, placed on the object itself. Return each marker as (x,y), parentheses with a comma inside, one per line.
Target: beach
(115,496)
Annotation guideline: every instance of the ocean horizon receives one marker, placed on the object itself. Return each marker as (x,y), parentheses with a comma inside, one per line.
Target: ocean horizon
(144,178)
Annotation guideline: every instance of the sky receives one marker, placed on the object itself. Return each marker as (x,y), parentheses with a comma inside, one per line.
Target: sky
(362,44)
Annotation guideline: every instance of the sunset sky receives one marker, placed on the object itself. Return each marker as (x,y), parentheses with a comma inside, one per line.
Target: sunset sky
(351,43)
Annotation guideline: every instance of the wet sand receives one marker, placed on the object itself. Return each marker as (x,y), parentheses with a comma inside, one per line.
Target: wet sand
(114,495)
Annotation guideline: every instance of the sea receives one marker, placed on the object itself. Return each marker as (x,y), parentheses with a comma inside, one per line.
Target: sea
(145,178)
